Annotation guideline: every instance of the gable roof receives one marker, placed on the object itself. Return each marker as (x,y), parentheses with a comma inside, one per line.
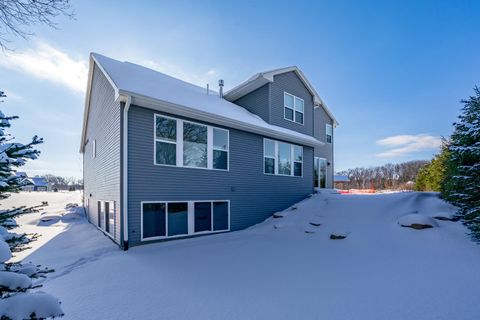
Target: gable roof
(36,181)
(262,78)
(158,91)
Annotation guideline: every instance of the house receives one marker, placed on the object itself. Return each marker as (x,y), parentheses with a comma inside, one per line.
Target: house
(34,184)
(164,159)
(341,181)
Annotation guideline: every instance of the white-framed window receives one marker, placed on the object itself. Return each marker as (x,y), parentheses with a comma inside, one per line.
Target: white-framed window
(293,108)
(329,133)
(188,144)
(106,216)
(281,158)
(94,148)
(171,219)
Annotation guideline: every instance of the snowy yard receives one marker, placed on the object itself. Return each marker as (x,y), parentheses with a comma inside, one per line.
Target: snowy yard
(285,268)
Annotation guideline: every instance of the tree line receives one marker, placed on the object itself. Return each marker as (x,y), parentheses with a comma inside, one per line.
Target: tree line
(399,176)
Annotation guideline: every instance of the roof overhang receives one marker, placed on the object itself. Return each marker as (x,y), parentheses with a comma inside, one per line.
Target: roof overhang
(263,78)
(176,109)
(168,107)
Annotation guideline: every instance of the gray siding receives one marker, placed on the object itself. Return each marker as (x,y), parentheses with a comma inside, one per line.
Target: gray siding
(102,173)
(326,151)
(291,83)
(257,102)
(253,195)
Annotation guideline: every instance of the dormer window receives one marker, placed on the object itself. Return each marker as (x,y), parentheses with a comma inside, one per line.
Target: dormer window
(293,108)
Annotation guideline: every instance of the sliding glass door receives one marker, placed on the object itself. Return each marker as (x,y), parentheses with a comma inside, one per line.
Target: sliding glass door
(320,172)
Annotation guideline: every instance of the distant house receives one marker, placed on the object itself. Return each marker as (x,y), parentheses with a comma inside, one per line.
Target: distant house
(341,182)
(165,159)
(35,184)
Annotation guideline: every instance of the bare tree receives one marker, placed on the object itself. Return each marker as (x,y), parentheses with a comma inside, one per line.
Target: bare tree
(16,16)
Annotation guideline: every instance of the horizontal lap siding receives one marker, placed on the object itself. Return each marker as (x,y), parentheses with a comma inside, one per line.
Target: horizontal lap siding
(102,173)
(253,195)
(289,82)
(257,102)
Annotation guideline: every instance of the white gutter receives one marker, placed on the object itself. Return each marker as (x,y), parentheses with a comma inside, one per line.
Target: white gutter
(125,172)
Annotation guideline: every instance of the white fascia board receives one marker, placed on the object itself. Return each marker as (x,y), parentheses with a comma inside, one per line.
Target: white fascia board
(187,112)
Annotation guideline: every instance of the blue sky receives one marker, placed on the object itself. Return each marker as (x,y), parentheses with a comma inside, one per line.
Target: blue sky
(392,72)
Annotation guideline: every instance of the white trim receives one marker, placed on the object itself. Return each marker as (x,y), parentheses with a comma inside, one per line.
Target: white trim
(190,219)
(294,108)
(124,206)
(273,131)
(259,79)
(179,144)
(277,161)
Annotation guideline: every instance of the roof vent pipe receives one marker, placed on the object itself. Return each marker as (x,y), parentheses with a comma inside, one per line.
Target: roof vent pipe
(208,89)
(220,89)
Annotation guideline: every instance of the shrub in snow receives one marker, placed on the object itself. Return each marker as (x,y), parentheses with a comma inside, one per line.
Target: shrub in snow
(281,214)
(30,306)
(16,278)
(14,281)
(417,221)
(316,222)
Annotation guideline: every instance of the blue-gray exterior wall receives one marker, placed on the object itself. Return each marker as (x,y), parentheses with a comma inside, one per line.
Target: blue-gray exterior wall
(257,102)
(102,174)
(326,151)
(289,82)
(253,195)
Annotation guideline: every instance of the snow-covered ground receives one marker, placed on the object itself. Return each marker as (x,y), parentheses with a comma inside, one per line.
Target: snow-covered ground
(284,268)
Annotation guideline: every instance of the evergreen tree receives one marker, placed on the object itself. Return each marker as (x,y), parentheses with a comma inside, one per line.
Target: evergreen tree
(433,174)
(16,278)
(462,183)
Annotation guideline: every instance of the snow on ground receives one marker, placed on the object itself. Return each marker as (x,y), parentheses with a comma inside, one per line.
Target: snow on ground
(284,268)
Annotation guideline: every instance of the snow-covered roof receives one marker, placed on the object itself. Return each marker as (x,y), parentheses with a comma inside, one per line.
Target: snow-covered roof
(262,78)
(155,90)
(36,181)
(21,174)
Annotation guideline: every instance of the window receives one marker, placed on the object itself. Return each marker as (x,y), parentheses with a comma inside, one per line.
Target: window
(203,216)
(297,161)
(94,148)
(293,108)
(329,133)
(187,144)
(175,219)
(194,145)
(220,149)
(154,223)
(269,156)
(282,158)
(165,141)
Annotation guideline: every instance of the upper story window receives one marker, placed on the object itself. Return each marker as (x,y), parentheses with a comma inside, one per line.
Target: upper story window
(183,143)
(329,133)
(282,158)
(293,108)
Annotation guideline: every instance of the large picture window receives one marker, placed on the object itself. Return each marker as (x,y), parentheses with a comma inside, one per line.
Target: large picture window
(282,158)
(175,219)
(187,144)
(293,108)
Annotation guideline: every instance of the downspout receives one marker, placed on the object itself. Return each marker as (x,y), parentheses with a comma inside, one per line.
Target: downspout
(125,172)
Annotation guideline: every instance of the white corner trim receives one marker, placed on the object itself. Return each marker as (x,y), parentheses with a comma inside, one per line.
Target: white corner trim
(125,168)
